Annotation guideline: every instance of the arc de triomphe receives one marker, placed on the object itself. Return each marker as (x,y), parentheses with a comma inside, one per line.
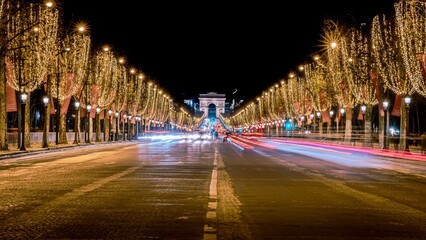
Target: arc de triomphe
(212,98)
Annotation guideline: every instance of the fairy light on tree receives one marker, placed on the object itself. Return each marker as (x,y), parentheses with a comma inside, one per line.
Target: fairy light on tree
(251,114)
(104,79)
(29,32)
(121,91)
(294,96)
(337,72)
(395,58)
(135,87)
(145,99)
(316,87)
(357,62)
(410,18)
(70,63)
(152,105)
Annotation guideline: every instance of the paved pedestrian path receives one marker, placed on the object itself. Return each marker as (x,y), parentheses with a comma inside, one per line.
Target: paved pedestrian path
(37,148)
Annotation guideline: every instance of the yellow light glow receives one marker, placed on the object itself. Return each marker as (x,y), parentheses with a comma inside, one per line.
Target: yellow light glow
(49,4)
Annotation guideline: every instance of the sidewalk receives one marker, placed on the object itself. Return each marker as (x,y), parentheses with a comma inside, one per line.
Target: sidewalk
(37,148)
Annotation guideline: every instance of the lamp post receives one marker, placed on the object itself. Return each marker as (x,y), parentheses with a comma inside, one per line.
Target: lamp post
(88,108)
(24,97)
(116,125)
(98,125)
(385,132)
(137,126)
(342,113)
(124,127)
(303,123)
(45,128)
(407,101)
(128,126)
(109,126)
(331,120)
(76,121)
(311,116)
(318,116)
(363,109)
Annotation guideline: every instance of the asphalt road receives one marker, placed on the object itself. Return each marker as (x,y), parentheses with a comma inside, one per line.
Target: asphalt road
(178,188)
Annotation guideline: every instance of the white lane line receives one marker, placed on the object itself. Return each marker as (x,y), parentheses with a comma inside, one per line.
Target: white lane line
(211,216)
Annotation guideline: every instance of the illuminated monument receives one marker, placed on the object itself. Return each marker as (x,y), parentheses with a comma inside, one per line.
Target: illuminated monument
(212,104)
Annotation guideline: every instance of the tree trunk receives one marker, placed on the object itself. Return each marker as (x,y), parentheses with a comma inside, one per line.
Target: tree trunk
(3,112)
(368,127)
(381,131)
(107,129)
(27,121)
(62,129)
(90,127)
(348,125)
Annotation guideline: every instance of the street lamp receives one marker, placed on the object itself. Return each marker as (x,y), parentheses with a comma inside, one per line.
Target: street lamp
(137,126)
(128,126)
(98,131)
(88,108)
(318,116)
(311,116)
(303,123)
(116,125)
(124,127)
(331,119)
(342,113)
(109,125)
(407,101)
(45,129)
(76,121)
(386,139)
(363,109)
(24,98)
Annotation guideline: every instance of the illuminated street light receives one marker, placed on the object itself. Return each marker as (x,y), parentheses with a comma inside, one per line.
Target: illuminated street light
(109,125)
(45,143)
(98,110)
(407,101)
(124,127)
(24,98)
(318,116)
(138,119)
(386,130)
(76,121)
(88,108)
(116,125)
(363,109)
(128,126)
(342,113)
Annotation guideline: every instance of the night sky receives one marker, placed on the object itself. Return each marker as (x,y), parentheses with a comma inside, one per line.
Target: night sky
(216,46)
